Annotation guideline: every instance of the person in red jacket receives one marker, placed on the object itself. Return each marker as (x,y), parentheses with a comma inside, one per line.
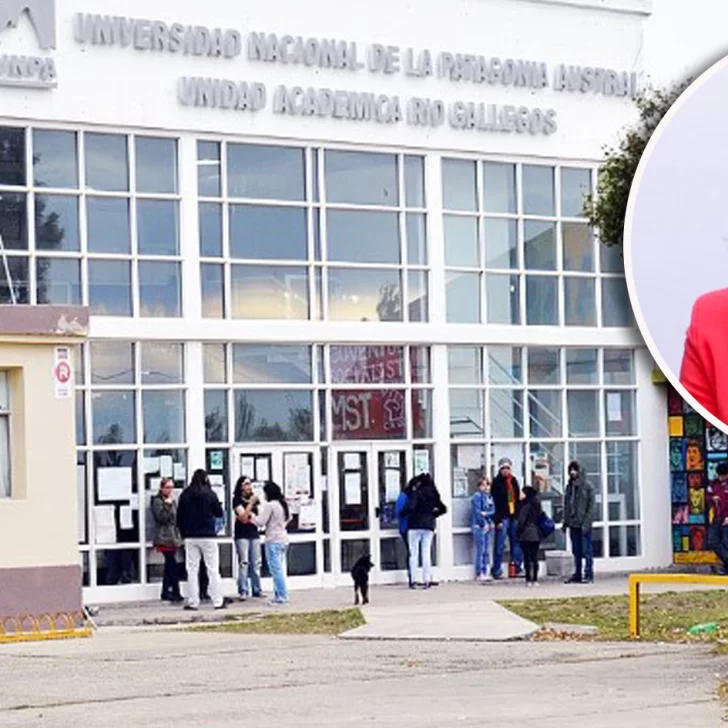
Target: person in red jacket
(718,497)
(704,372)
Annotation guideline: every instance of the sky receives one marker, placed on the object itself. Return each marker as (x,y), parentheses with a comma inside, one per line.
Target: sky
(684,38)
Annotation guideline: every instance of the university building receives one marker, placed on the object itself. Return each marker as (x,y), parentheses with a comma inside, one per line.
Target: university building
(335,245)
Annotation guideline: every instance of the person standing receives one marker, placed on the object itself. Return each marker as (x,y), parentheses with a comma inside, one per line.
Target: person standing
(718,495)
(423,508)
(247,541)
(528,532)
(506,496)
(274,517)
(482,525)
(402,522)
(579,512)
(167,538)
(198,508)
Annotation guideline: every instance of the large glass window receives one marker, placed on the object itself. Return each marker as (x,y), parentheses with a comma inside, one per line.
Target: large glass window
(518,249)
(542,407)
(131,432)
(304,210)
(110,198)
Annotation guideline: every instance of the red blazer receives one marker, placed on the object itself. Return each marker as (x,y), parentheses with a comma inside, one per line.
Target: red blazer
(704,371)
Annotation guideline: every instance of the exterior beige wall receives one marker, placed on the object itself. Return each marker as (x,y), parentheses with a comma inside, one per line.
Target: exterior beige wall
(38,523)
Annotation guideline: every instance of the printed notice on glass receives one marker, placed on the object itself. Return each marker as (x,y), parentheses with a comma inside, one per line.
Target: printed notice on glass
(247,467)
(216,480)
(262,469)
(165,466)
(392,485)
(352,489)
(297,475)
(459,482)
(421,462)
(126,522)
(216,460)
(151,465)
(470,457)
(114,484)
(352,461)
(614,407)
(220,493)
(307,516)
(391,459)
(180,472)
(104,524)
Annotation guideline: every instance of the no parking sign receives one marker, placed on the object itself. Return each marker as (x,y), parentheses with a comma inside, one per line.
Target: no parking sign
(63,372)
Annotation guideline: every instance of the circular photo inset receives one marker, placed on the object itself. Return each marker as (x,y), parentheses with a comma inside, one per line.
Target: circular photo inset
(676,245)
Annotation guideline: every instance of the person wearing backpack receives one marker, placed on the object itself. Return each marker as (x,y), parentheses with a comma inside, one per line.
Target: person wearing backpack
(197,512)
(399,511)
(528,532)
(423,508)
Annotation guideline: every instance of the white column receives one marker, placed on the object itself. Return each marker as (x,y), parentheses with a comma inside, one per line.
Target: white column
(191,300)
(653,471)
(189,228)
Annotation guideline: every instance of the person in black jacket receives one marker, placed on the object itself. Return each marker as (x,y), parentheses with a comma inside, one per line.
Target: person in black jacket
(198,508)
(528,532)
(506,496)
(423,508)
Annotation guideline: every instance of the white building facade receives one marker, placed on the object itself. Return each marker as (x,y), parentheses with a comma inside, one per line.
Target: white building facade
(332,244)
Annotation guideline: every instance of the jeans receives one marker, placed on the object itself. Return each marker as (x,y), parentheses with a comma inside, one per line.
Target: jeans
(530,558)
(405,538)
(275,555)
(483,539)
(195,549)
(170,580)
(721,548)
(420,540)
(582,548)
(506,527)
(249,563)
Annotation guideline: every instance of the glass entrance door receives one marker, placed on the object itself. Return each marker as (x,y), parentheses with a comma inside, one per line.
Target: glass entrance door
(368,479)
(297,471)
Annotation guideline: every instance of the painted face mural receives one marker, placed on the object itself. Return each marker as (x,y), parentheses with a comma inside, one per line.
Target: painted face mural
(697,539)
(697,501)
(694,460)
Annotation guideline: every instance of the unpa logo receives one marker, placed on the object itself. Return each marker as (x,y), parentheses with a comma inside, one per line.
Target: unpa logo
(29,71)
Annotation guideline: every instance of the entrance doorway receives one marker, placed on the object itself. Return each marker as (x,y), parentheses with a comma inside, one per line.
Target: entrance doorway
(366,480)
(297,471)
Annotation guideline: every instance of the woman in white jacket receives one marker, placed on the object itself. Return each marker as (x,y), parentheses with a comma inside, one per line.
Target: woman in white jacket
(273,517)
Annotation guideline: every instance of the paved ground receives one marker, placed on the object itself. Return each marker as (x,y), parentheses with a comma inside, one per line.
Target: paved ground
(157,612)
(163,678)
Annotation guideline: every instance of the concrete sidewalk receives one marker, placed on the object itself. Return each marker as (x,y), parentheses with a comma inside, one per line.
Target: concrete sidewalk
(447,598)
(483,621)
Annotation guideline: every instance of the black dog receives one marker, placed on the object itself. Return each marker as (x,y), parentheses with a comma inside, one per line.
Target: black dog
(360,575)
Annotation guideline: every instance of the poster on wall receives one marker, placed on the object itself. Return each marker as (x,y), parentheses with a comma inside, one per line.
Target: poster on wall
(695,450)
(114,484)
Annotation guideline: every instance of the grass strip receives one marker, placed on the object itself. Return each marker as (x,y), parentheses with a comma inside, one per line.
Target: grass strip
(326,622)
(665,617)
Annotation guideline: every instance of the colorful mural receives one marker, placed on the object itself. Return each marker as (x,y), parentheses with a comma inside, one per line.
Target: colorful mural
(696,448)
